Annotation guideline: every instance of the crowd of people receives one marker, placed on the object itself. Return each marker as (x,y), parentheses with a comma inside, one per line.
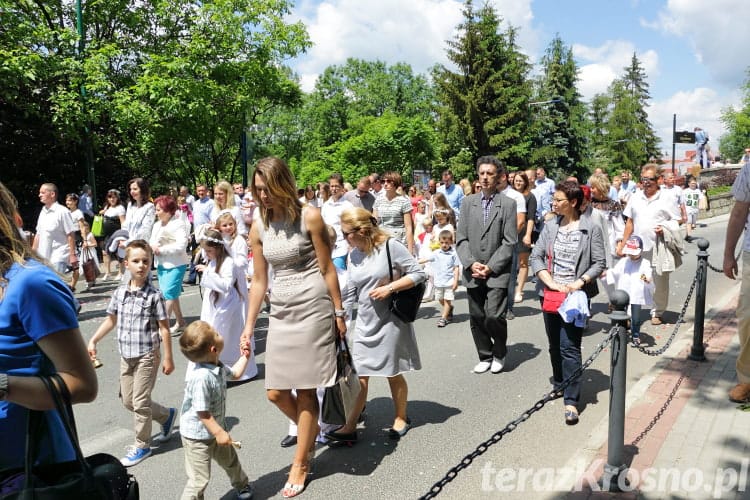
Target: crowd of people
(313,255)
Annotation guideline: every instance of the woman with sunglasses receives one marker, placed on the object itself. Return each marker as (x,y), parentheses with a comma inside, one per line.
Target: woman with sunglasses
(393,211)
(383,345)
(568,256)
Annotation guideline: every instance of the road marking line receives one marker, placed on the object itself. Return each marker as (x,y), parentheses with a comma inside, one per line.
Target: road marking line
(107,441)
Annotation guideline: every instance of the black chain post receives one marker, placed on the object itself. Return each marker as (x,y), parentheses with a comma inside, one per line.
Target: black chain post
(615,468)
(697,351)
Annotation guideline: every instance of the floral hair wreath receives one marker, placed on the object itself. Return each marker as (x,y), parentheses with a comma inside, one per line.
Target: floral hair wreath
(210,239)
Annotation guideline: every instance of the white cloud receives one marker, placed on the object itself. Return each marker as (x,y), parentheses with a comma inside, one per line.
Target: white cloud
(717,32)
(699,107)
(413,32)
(600,65)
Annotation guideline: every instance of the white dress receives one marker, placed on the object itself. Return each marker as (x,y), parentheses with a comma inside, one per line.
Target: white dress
(626,275)
(225,308)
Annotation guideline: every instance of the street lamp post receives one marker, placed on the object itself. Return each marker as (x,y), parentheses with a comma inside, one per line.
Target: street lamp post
(88,150)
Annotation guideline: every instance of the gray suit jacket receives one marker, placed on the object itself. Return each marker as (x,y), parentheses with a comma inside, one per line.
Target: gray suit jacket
(590,259)
(492,243)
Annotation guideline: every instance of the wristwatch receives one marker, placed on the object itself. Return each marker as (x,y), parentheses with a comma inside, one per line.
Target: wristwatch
(339,313)
(390,288)
(3,386)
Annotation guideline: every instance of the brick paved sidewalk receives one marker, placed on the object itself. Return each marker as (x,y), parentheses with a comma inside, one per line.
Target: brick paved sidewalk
(699,446)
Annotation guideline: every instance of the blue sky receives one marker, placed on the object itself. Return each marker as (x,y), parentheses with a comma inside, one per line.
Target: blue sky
(695,53)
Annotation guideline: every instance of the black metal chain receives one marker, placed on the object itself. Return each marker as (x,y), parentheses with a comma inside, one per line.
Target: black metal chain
(661,411)
(680,321)
(713,268)
(496,437)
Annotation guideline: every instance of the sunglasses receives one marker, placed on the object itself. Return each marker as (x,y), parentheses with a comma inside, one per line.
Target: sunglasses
(649,179)
(347,233)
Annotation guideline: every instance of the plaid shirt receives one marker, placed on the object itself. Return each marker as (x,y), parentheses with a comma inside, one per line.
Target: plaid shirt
(487,205)
(741,192)
(137,315)
(205,390)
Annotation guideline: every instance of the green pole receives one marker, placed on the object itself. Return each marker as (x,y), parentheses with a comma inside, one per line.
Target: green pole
(88,150)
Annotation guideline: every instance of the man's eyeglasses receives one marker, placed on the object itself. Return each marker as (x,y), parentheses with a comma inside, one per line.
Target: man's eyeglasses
(347,233)
(649,179)
(388,181)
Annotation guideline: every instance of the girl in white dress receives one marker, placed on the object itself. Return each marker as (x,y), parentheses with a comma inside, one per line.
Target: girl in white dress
(88,252)
(224,298)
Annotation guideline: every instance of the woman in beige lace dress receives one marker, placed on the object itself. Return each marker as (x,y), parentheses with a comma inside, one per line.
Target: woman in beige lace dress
(306,309)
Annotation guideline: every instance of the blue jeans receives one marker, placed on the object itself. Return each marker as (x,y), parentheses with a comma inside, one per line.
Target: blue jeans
(565,354)
(635,319)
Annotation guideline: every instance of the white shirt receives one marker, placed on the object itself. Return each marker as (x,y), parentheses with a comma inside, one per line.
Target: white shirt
(674,194)
(52,228)
(517,197)
(331,213)
(647,214)
(172,240)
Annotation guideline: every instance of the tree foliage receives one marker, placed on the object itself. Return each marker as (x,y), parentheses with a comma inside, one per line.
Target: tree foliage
(169,85)
(483,104)
(737,123)
(560,132)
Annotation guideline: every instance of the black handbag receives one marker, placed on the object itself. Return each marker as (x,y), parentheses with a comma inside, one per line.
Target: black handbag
(99,476)
(405,303)
(340,399)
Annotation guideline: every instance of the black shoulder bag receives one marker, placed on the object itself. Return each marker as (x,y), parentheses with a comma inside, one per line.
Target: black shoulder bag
(99,476)
(405,303)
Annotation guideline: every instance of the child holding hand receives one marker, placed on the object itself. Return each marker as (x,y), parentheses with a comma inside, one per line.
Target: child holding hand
(202,426)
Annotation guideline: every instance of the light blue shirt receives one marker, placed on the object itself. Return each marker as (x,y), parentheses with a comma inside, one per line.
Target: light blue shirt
(202,209)
(454,194)
(443,267)
(205,390)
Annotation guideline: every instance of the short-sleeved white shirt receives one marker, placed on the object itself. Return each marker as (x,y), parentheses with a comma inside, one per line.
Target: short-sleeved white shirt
(53,227)
(517,196)
(741,192)
(647,214)
(674,194)
(331,213)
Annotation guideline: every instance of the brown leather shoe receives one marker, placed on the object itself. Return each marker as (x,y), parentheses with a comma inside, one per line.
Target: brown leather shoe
(656,320)
(740,393)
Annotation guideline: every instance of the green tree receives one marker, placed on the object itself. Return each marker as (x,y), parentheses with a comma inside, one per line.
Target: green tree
(622,136)
(170,85)
(483,105)
(560,115)
(737,123)
(343,112)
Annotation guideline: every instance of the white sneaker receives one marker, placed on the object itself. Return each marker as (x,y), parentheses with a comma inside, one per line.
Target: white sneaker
(482,367)
(497,365)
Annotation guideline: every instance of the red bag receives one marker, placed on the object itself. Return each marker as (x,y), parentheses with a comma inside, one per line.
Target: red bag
(552,300)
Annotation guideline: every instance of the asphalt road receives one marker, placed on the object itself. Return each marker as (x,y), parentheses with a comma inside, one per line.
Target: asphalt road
(452,409)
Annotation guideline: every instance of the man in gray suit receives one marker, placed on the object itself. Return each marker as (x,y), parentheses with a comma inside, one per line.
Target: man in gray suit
(485,238)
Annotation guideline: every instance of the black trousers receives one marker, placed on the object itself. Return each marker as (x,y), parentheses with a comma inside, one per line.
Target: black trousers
(489,328)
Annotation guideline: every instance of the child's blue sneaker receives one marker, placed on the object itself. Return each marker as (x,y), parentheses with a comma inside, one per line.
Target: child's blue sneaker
(166,428)
(135,455)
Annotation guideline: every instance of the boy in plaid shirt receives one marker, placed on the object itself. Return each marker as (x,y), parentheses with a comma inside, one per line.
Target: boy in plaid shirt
(202,426)
(135,309)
